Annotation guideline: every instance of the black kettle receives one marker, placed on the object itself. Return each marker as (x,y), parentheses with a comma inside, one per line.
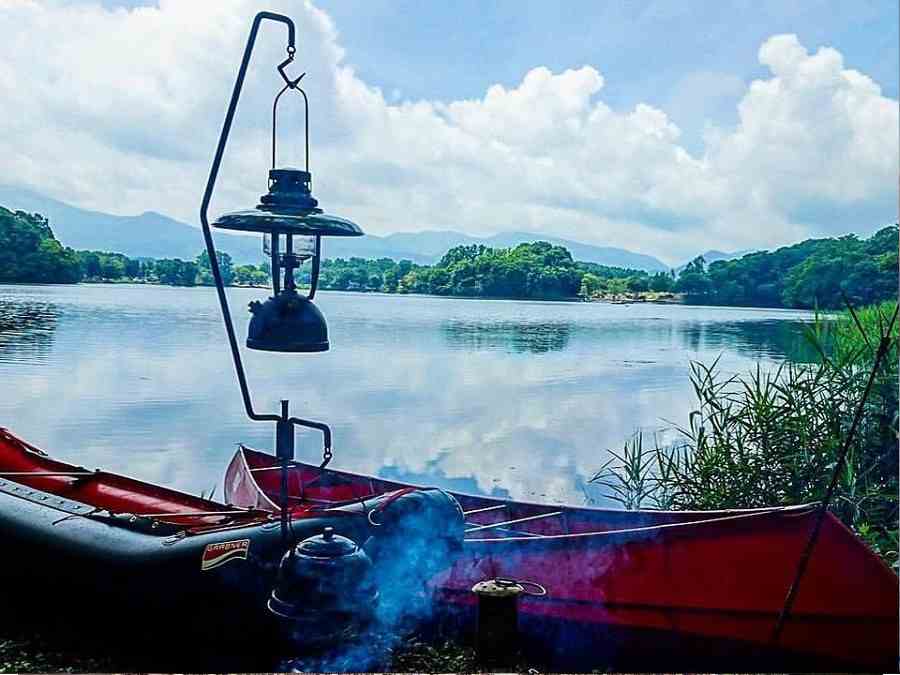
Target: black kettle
(325,588)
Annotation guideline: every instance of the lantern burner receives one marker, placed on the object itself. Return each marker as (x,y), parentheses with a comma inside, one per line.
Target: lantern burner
(287,322)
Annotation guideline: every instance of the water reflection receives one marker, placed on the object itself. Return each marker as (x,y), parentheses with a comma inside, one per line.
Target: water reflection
(775,339)
(433,390)
(534,338)
(26,329)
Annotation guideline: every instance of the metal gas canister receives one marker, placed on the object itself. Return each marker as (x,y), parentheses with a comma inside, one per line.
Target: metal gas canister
(497,641)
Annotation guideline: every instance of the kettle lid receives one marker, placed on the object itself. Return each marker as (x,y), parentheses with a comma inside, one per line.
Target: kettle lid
(327,545)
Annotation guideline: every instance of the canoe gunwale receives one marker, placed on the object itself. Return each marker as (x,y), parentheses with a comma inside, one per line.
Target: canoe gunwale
(243,449)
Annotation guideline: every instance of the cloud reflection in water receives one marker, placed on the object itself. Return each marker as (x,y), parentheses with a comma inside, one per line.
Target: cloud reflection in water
(500,397)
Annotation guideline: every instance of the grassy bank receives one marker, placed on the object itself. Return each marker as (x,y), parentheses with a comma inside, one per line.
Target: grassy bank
(30,652)
(774,438)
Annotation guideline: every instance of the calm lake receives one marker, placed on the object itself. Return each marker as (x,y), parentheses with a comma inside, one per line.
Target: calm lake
(506,397)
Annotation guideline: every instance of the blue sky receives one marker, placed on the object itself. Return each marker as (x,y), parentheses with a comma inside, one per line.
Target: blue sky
(692,59)
(666,127)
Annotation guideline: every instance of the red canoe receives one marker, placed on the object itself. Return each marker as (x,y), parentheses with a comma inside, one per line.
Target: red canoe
(693,588)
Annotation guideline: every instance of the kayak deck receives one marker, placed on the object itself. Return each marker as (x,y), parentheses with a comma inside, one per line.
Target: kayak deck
(24,467)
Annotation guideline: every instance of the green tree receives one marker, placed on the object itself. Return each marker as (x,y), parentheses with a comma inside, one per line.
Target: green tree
(391,278)
(661,282)
(815,272)
(147,268)
(107,266)
(29,253)
(864,272)
(459,254)
(112,266)
(591,285)
(90,264)
(250,275)
(132,268)
(175,272)
(617,286)
(204,271)
(693,280)
(638,284)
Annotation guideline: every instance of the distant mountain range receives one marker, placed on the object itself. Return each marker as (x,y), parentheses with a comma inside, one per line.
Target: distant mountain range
(713,255)
(154,235)
(428,247)
(149,235)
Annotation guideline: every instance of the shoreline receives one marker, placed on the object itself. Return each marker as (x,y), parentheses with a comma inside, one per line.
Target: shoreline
(136,282)
(647,298)
(639,297)
(610,298)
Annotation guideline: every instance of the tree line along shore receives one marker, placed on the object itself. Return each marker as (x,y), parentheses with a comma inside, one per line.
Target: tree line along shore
(814,273)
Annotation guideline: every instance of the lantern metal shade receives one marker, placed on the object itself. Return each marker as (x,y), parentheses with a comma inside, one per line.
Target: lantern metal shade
(284,221)
(288,208)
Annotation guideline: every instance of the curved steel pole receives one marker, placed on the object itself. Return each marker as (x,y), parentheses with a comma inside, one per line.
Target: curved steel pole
(283,419)
(284,424)
(207,196)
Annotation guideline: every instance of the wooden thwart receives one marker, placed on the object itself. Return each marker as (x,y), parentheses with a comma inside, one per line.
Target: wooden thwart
(485,509)
(514,521)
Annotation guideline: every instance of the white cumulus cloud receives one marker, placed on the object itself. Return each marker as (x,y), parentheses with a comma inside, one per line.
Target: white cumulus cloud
(119,110)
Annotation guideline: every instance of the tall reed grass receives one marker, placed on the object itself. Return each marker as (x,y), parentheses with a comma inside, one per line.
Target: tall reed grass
(767,438)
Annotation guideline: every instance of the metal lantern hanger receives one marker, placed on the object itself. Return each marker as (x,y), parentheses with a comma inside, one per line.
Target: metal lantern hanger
(288,321)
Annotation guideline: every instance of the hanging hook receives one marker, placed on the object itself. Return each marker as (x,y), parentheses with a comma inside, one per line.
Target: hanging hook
(281,69)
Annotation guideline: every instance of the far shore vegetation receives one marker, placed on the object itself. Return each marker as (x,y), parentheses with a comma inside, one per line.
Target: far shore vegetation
(816,273)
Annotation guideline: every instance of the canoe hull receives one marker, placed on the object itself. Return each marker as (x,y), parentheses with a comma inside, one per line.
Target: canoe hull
(643,589)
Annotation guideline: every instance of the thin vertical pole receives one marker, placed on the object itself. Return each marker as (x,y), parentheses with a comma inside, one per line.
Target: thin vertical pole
(284,450)
(288,262)
(276,267)
(785,613)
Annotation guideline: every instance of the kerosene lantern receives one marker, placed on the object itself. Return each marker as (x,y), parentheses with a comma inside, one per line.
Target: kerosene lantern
(292,224)
(289,214)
